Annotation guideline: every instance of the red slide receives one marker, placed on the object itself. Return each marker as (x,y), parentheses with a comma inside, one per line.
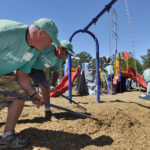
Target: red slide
(132,75)
(64,84)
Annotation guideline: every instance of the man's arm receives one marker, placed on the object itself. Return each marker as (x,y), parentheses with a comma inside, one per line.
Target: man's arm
(55,76)
(24,81)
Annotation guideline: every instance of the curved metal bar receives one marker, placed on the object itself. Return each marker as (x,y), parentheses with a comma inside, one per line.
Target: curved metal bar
(97,63)
(94,20)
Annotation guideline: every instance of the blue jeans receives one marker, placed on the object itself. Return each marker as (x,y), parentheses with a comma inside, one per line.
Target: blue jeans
(110,81)
(148,88)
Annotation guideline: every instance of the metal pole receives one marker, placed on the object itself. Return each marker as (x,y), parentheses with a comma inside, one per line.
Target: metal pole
(69,77)
(97,59)
(115,28)
(107,8)
(120,72)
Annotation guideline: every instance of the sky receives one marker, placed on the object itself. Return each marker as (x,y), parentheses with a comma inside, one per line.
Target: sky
(72,15)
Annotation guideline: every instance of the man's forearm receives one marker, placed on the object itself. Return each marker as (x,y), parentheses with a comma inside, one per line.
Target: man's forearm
(54,78)
(24,81)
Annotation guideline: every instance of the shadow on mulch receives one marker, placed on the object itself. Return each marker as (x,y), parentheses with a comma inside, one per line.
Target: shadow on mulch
(121,101)
(60,140)
(61,115)
(68,116)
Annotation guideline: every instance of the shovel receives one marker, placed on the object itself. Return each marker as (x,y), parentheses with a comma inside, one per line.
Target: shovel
(41,81)
(27,98)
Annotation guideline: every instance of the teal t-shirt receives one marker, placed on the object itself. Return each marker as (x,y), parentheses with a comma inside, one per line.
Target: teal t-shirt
(146,75)
(109,69)
(15,53)
(47,58)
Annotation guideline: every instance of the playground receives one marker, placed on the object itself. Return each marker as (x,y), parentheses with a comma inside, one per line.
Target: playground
(123,124)
(91,110)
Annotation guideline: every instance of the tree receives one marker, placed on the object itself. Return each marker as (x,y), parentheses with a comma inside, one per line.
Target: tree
(84,58)
(132,62)
(101,62)
(146,59)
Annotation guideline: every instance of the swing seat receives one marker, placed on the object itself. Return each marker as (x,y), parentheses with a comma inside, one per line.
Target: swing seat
(145,97)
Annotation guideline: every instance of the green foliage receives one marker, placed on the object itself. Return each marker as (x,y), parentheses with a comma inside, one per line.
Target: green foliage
(74,63)
(132,62)
(85,57)
(101,62)
(146,59)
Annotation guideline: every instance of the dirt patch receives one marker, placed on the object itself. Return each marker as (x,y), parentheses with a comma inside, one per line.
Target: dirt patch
(124,124)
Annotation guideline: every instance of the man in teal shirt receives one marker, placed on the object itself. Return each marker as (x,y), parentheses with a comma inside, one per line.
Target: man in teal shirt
(51,57)
(146,75)
(20,47)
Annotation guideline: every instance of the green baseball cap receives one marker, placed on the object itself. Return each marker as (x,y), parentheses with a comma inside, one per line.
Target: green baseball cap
(49,27)
(66,44)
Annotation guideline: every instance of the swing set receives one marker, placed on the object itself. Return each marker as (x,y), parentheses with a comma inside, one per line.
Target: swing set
(85,30)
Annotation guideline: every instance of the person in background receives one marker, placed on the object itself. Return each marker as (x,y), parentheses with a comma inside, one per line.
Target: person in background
(108,67)
(128,84)
(146,75)
(20,47)
(56,56)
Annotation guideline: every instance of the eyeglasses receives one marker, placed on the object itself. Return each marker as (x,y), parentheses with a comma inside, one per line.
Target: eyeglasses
(64,49)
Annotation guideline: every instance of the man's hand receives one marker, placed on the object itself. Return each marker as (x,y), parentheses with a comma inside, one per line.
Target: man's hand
(38,99)
(52,88)
(25,83)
